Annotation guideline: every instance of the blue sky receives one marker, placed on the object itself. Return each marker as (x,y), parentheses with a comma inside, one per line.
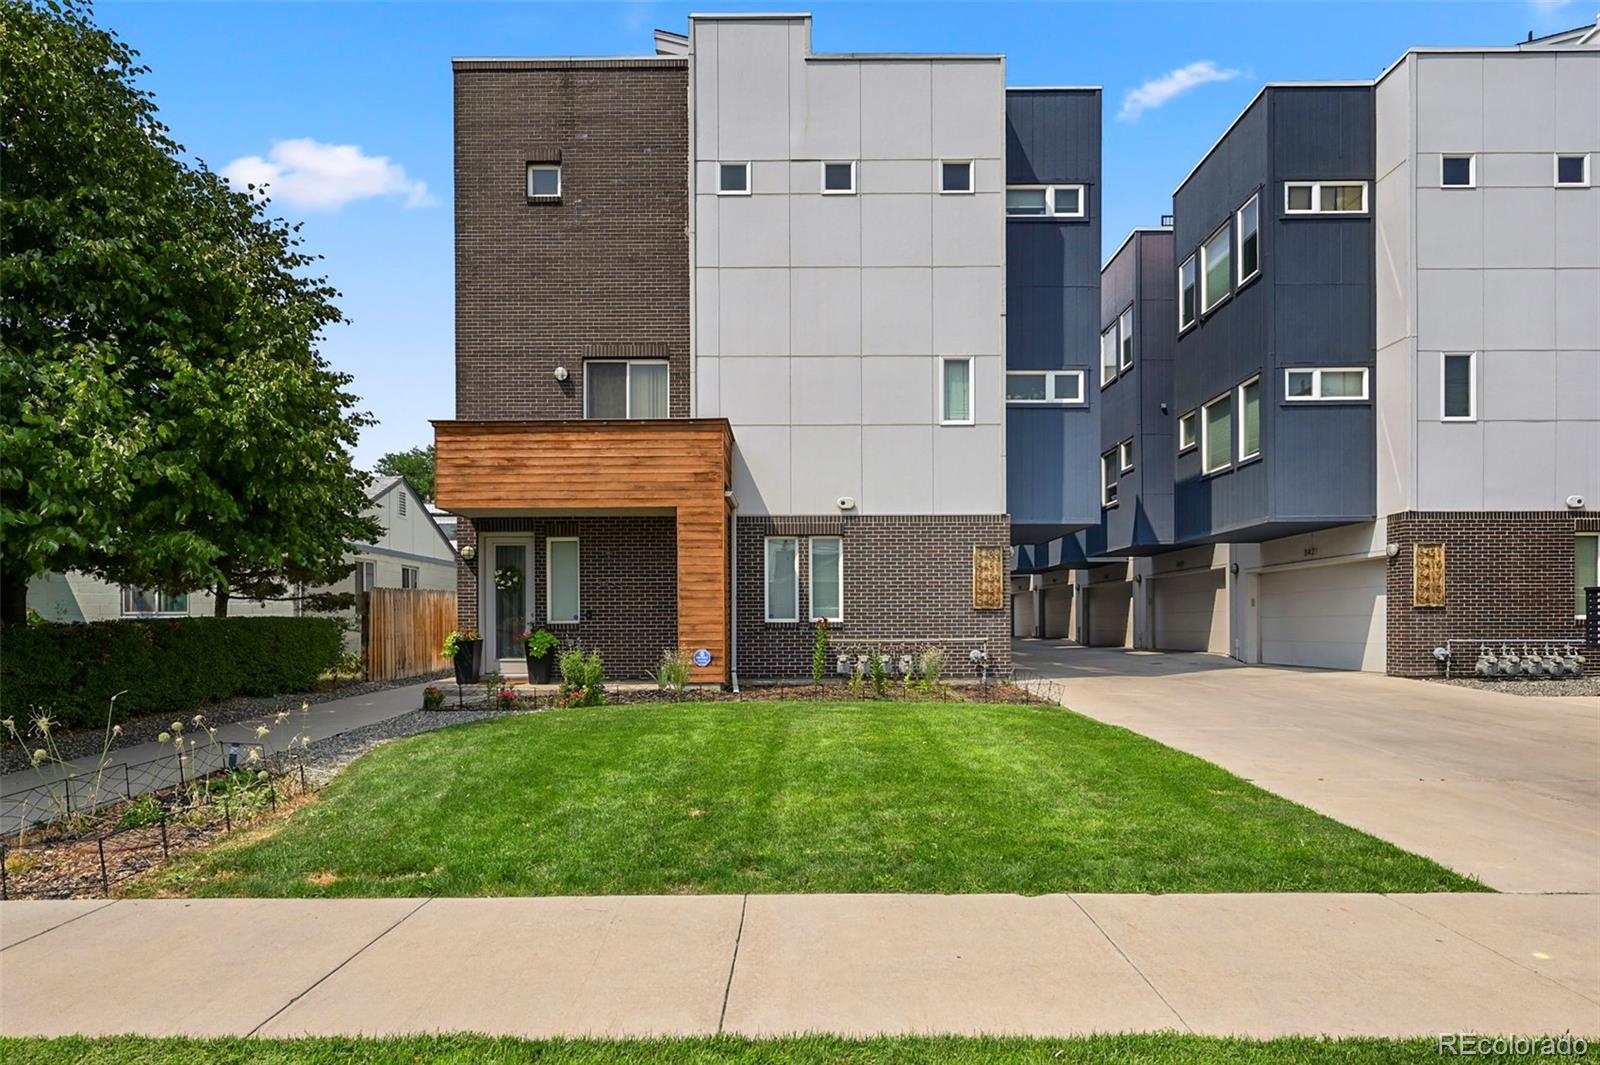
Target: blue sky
(346,106)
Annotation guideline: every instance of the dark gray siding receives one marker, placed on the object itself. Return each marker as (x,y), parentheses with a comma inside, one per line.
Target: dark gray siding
(1052,310)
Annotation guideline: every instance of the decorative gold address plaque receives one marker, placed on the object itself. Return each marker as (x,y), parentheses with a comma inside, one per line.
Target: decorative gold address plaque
(1427,575)
(988,578)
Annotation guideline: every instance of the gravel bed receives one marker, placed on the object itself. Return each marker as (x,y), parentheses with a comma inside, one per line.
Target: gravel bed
(1588,684)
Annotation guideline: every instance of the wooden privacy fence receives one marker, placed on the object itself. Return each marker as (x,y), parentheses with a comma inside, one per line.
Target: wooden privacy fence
(402,630)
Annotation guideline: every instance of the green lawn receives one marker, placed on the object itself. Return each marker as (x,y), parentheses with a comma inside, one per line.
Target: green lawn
(815,1050)
(794,797)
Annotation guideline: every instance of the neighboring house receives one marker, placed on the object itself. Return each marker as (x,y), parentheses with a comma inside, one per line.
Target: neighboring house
(732,347)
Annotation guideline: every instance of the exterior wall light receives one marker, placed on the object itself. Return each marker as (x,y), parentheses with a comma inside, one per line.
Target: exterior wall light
(561,373)
(469,552)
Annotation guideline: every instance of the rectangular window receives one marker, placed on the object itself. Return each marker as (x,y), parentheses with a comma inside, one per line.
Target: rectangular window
(1044,386)
(955,176)
(1320,384)
(827,578)
(1216,434)
(1250,419)
(1216,269)
(1125,342)
(1187,436)
(1125,456)
(1043,201)
(408,576)
(733,179)
(1108,355)
(1186,300)
(1458,171)
(561,580)
(1249,219)
(1588,574)
(1325,197)
(620,388)
(1025,203)
(364,576)
(1572,171)
(956,387)
(1458,387)
(838,179)
(544,181)
(1108,479)
(783,578)
(153,603)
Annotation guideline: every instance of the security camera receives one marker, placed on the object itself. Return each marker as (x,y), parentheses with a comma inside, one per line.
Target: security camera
(1575,502)
(847,503)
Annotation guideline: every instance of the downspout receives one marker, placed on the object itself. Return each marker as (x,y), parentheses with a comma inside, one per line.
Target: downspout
(733,610)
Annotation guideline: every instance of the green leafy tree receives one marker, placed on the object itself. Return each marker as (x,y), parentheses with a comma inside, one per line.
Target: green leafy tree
(415,465)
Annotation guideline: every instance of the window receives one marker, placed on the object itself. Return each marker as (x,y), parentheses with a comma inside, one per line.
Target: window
(1588,575)
(955,177)
(733,179)
(1186,303)
(838,179)
(1045,201)
(408,576)
(1319,384)
(1215,269)
(827,578)
(1572,171)
(783,578)
(1187,436)
(561,606)
(1250,419)
(153,603)
(1458,171)
(1249,219)
(1108,479)
(364,576)
(544,181)
(1325,197)
(1216,434)
(1458,387)
(956,387)
(619,388)
(1108,355)
(1044,386)
(1125,332)
(1026,202)
(1125,456)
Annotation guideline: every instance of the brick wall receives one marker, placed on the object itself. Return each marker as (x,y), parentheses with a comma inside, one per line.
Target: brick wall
(1508,574)
(604,272)
(907,583)
(627,585)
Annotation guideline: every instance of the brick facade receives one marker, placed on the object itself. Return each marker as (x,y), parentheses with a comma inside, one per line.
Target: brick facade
(1508,575)
(604,271)
(907,584)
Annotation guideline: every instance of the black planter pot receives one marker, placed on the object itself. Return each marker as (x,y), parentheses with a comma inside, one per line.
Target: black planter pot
(468,667)
(541,669)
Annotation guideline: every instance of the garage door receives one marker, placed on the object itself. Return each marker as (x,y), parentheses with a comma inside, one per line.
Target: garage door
(1191,612)
(1109,608)
(1057,611)
(1328,616)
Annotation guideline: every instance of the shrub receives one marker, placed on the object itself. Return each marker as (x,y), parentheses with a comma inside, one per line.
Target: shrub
(168,664)
(672,673)
(432,698)
(583,679)
(929,665)
(819,652)
(880,678)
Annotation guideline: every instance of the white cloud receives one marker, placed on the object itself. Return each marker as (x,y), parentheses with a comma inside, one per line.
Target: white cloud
(1157,91)
(315,176)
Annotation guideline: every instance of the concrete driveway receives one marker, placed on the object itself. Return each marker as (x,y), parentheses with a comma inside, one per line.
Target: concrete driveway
(1505,788)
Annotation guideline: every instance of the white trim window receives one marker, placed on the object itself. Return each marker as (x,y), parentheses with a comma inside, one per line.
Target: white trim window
(1586,567)
(1125,339)
(1248,219)
(1322,384)
(1216,269)
(1187,307)
(562,585)
(626,388)
(1060,387)
(1250,420)
(1108,355)
(1108,479)
(1324,197)
(408,576)
(1458,171)
(1216,434)
(1125,456)
(1458,386)
(781,583)
(955,390)
(154,603)
(733,179)
(544,181)
(1044,201)
(839,178)
(955,176)
(1571,170)
(826,558)
(1188,435)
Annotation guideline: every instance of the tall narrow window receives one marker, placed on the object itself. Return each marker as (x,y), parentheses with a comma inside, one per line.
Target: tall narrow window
(733,179)
(827,578)
(562,604)
(616,388)
(1108,355)
(1188,434)
(1250,239)
(1108,479)
(1250,419)
(1125,339)
(544,181)
(1587,570)
(956,401)
(1186,294)
(1216,434)
(1125,456)
(1216,269)
(1459,390)
(783,578)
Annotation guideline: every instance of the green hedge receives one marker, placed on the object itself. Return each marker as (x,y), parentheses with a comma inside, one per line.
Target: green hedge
(171,665)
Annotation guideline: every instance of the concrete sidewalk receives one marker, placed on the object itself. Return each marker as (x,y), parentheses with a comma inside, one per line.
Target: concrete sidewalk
(759,965)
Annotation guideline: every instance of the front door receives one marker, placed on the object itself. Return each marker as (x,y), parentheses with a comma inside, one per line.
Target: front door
(506,594)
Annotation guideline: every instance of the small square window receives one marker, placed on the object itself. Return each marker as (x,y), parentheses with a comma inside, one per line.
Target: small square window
(1301,384)
(1298,198)
(955,177)
(733,179)
(1067,386)
(1572,171)
(839,179)
(1456,171)
(544,181)
(1125,455)
(1066,201)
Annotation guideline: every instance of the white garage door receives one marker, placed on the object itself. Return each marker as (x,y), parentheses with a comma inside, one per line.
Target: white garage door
(1110,607)
(1057,611)
(1328,616)
(1191,612)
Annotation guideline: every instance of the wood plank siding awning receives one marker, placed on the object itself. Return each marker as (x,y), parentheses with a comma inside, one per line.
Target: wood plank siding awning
(680,466)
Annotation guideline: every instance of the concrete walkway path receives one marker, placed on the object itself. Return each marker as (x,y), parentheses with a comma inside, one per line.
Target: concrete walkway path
(762,965)
(1502,787)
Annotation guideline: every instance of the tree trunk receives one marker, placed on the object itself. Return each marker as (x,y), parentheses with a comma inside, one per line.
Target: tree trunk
(221,607)
(13,597)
